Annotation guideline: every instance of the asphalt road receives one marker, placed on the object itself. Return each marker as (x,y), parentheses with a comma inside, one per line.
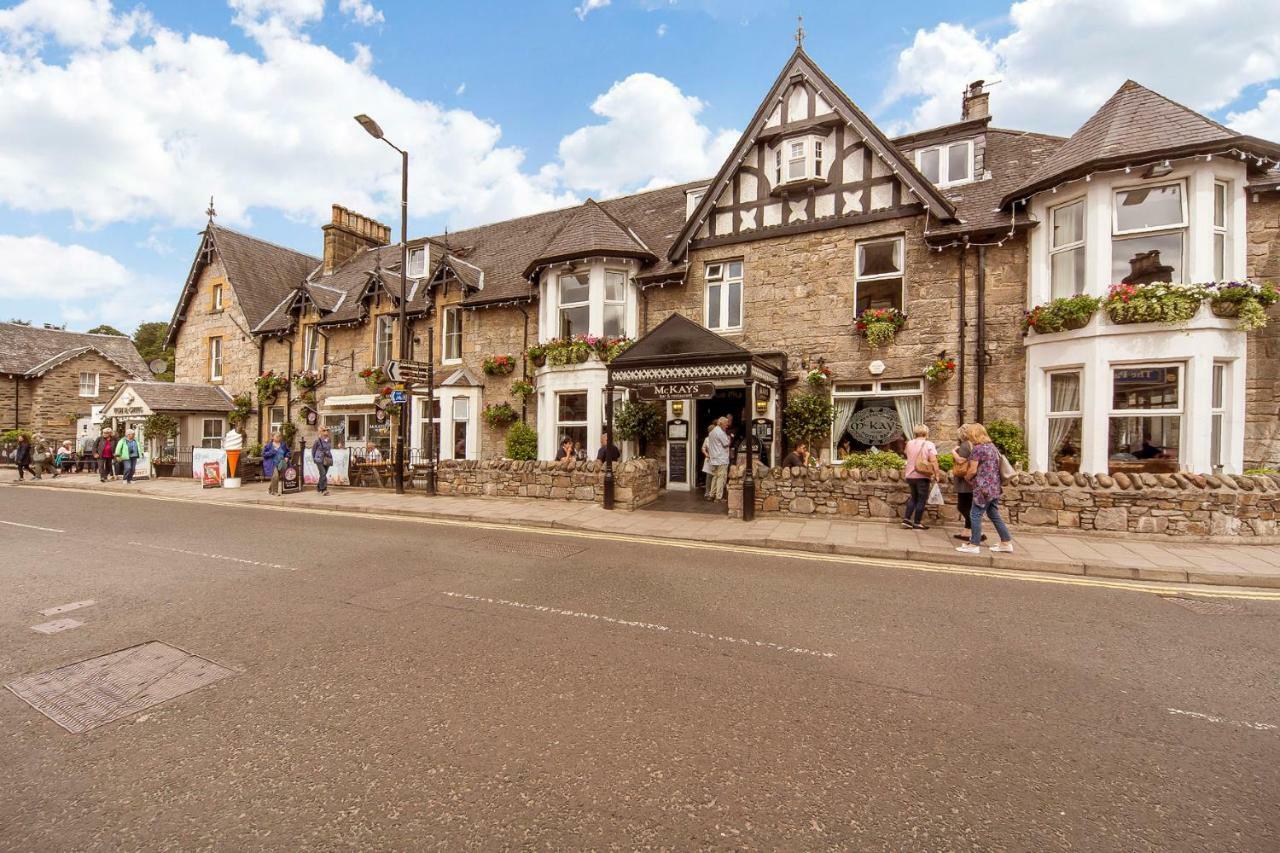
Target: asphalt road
(403,685)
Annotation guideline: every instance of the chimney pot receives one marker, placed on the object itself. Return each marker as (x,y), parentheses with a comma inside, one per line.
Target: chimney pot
(975,102)
(348,233)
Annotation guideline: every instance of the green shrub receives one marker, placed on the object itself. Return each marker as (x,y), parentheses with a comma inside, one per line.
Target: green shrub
(1260,471)
(641,422)
(522,442)
(875,460)
(1007,436)
(946,462)
(807,418)
(11,436)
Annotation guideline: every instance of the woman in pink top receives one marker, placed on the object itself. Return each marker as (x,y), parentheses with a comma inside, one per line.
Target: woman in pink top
(922,465)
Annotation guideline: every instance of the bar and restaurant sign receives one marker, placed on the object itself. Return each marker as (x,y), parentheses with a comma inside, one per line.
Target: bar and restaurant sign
(676,391)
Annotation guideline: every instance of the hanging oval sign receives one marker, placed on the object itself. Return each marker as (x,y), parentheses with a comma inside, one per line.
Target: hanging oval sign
(875,425)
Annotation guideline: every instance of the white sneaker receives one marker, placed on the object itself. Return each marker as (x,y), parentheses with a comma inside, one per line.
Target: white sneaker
(969,548)
(1002,548)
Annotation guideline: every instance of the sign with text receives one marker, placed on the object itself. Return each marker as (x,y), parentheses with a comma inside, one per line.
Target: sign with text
(676,391)
(407,371)
(291,480)
(212,475)
(399,396)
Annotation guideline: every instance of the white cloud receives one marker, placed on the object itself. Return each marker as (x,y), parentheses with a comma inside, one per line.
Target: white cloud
(651,137)
(589,6)
(71,23)
(662,30)
(1263,120)
(361,11)
(1062,58)
(462,88)
(262,18)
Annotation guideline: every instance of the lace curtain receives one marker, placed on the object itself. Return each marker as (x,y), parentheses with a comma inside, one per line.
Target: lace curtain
(844,414)
(1064,393)
(910,413)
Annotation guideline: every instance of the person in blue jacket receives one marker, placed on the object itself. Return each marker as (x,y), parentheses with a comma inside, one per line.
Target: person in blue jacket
(322,455)
(275,456)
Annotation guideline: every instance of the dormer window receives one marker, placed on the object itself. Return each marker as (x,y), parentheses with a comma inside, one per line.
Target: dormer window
(798,159)
(418,262)
(947,164)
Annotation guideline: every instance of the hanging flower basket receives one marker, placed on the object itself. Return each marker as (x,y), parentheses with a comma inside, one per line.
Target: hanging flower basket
(499,365)
(521,388)
(819,377)
(500,415)
(1245,301)
(374,377)
(1061,315)
(537,355)
(269,385)
(1159,302)
(307,379)
(941,370)
(879,325)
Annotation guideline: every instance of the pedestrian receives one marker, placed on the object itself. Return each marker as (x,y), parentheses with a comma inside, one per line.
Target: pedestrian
(718,445)
(23,455)
(275,455)
(86,453)
(921,468)
(983,472)
(964,491)
(104,450)
(128,452)
(65,460)
(706,461)
(566,449)
(798,457)
(608,451)
(322,455)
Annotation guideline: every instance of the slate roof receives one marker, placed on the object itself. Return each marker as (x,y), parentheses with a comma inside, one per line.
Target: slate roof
(176,397)
(260,273)
(32,351)
(590,231)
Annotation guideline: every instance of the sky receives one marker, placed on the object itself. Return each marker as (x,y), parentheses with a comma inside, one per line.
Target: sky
(119,120)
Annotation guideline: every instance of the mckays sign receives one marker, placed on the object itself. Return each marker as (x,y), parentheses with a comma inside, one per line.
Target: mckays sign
(676,391)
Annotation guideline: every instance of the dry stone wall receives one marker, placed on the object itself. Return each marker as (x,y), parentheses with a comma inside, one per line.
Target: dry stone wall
(635,481)
(1240,509)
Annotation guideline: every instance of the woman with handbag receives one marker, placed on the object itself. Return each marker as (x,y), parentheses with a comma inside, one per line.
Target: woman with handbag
(322,455)
(984,472)
(922,467)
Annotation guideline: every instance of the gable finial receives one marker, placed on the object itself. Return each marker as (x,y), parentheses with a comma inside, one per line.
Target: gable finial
(211,212)
(800,32)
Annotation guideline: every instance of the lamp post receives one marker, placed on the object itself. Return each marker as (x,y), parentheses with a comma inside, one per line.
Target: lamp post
(372,128)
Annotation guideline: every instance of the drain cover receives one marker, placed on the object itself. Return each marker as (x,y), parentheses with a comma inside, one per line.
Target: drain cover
(530,547)
(1203,606)
(91,693)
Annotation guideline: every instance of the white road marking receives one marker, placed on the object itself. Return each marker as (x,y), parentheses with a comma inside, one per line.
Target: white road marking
(56,626)
(33,527)
(645,626)
(215,556)
(1210,718)
(67,608)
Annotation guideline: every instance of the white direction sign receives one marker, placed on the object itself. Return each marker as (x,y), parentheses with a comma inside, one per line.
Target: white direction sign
(407,371)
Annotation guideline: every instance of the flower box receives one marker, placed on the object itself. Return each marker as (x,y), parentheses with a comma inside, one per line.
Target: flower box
(879,325)
(1061,315)
(499,365)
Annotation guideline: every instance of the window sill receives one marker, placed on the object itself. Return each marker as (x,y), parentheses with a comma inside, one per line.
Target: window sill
(799,186)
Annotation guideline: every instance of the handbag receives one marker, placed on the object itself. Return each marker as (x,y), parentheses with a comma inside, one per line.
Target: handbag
(1006,470)
(935,496)
(326,459)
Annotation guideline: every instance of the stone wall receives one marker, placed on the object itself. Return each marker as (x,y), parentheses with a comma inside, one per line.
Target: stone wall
(1229,508)
(1262,385)
(635,481)
(15,402)
(239,348)
(56,395)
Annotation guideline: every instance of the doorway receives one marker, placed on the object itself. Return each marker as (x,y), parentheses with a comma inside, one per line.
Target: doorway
(727,401)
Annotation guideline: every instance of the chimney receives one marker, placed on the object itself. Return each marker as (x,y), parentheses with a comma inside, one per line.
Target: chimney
(975,102)
(348,233)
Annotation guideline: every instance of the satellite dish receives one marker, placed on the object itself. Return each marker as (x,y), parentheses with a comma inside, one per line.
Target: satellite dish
(158,365)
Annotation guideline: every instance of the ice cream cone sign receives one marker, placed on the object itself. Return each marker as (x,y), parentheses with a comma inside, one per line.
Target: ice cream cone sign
(232,443)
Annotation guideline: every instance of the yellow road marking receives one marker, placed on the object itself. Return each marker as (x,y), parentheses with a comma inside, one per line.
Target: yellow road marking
(1149,587)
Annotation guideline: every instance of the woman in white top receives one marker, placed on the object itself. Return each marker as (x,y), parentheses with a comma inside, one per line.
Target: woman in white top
(922,466)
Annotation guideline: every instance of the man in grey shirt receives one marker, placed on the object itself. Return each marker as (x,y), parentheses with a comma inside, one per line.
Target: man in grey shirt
(718,456)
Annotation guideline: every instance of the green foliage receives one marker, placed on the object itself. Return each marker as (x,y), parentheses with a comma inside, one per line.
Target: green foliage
(638,421)
(946,462)
(1261,471)
(522,442)
(1072,312)
(160,427)
(1158,302)
(104,329)
(149,339)
(875,460)
(11,436)
(520,388)
(242,408)
(289,432)
(1008,437)
(499,415)
(807,418)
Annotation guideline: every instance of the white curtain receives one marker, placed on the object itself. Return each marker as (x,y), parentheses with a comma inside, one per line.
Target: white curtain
(844,414)
(1065,397)
(910,413)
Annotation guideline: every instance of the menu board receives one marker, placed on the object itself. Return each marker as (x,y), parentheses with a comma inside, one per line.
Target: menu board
(678,462)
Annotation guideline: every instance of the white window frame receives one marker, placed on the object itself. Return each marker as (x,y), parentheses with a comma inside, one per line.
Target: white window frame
(311,349)
(561,305)
(1082,243)
(901,273)
(417,261)
(96,386)
(621,303)
(1155,229)
(1180,412)
(811,159)
(383,340)
(585,423)
(447,336)
(944,162)
(217,296)
(215,359)
(719,277)
(1221,256)
(212,441)
(1066,414)
(1219,388)
(274,423)
(469,452)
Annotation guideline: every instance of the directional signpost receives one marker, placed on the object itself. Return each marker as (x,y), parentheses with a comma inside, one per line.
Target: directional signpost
(412,373)
(409,372)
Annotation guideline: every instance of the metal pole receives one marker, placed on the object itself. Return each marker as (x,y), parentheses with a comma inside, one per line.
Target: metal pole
(608,447)
(407,408)
(748,476)
(431,405)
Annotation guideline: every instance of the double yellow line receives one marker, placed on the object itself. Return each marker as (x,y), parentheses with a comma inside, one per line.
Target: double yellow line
(1149,587)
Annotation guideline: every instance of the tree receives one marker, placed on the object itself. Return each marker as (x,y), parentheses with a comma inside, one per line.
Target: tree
(149,339)
(642,422)
(15,321)
(807,418)
(104,329)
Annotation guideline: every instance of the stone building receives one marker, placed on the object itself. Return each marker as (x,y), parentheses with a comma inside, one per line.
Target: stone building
(815,218)
(53,382)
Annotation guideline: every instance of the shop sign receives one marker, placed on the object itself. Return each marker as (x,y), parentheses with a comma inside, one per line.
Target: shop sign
(292,480)
(676,391)
(212,475)
(875,425)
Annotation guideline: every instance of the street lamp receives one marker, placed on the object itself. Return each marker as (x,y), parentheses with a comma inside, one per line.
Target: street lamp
(372,128)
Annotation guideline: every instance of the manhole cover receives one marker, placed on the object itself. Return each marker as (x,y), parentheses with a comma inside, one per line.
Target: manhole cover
(57,626)
(531,547)
(91,693)
(1203,606)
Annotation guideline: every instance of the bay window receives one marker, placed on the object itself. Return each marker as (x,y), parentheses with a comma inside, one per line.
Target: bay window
(1218,416)
(878,275)
(1220,241)
(571,421)
(724,296)
(947,164)
(798,159)
(615,303)
(451,336)
(1149,229)
(1067,250)
(383,335)
(1065,421)
(575,304)
(1145,424)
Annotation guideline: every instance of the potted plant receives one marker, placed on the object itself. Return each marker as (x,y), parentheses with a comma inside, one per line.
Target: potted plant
(808,418)
(641,422)
(307,380)
(241,409)
(607,349)
(269,385)
(875,460)
(162,429)
(1158,302)
(941,370)
(499,365)
(580,349)
(537,355)
(1061,315)
(522,389)
(499,415)
(1246,301)
(819,377)
(879,325)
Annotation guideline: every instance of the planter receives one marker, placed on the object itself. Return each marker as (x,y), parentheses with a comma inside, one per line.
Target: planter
(579,356)
(1229,308)
(164,469)
(538,360)
(1070,324)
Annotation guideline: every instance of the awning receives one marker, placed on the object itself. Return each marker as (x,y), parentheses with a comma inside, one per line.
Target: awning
(348,401)
(679,350)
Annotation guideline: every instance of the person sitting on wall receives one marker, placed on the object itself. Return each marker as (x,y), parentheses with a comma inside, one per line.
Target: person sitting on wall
(608,451)
(798,457)
(844,448)
(566,449)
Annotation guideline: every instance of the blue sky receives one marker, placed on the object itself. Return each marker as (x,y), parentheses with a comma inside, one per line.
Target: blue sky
(119,120)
